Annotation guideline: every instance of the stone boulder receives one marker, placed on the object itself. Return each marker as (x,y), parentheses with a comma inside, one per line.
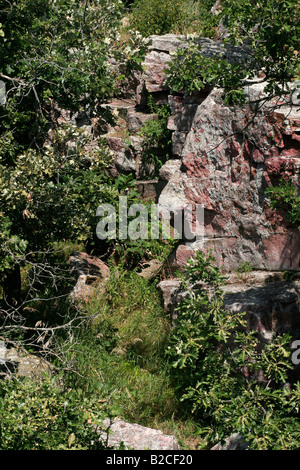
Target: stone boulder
(136,437)
(89,270)
(233,442)
(14,361)
(91,266)
(151,269)
(272,308)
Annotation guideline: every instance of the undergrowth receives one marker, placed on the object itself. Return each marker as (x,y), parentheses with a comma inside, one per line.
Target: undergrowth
(173,16)
(120,356)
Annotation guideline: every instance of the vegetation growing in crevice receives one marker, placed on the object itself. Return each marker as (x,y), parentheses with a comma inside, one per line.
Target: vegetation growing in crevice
(157,138)
(285,197)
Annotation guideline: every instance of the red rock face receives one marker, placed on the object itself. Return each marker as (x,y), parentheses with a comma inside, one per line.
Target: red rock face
(229,157)
(283,249)
(224,159)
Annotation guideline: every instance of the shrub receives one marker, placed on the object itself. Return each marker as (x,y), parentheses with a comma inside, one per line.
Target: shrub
(157,138)
(131,252)
(191,71)
(268,38)
(222,378)
(39,415)
(157,16)
(173,16)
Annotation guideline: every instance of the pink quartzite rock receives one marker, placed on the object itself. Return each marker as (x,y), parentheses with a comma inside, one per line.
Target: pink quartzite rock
(229,157)
(136,437)
(155,65)
(89,269)
(88,265)
(270,303)
(224,158)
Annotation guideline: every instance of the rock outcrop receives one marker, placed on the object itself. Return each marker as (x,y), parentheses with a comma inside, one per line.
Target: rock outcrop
(271,304)
(224,159)
(228,159)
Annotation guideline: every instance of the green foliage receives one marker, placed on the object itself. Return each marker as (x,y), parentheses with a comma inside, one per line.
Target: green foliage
(202,269)
(173,16)
(54,55)
(47,198)
(113,364)
(272,29)
(157,138)
(268,34)
(39,415)
(130,252)
(204,23)
(289,275)
(245,268)
(133,253)
(191,72)
(130,50)
(285,197)
(54,61)
(53,195)
(132,305)
(11,246)
(157,16)
(220,375)
(126,339)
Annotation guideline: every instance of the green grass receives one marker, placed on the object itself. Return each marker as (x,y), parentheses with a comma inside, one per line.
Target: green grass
(173,16)
(120,357)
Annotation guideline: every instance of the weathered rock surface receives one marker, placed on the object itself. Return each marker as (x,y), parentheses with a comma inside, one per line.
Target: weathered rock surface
(151,269)
(136,437)
(16,362)
(136,120)
(227,162)
(223,159)
(271,304)
(88,269)
(272,308)
(89,265)
(123,137)
(150,190)
(233,442)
